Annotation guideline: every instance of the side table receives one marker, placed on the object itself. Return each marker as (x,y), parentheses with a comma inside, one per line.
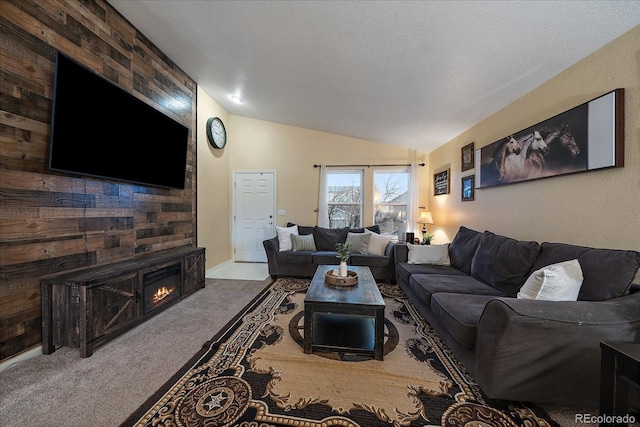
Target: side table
(620,370)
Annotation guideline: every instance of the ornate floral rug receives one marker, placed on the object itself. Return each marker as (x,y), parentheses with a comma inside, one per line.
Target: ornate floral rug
(254,373)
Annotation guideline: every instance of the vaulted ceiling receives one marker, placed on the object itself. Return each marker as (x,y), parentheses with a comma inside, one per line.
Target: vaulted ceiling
(413,74)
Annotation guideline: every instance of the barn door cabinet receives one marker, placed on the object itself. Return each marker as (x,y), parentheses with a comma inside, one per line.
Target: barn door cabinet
(88,307)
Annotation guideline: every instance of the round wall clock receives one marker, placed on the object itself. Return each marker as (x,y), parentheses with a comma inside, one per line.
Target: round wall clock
(216,132)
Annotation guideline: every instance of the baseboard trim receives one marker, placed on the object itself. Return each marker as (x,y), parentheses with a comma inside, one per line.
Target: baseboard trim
(22,357)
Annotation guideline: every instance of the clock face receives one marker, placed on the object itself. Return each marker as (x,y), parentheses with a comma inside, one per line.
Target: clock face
(216,133)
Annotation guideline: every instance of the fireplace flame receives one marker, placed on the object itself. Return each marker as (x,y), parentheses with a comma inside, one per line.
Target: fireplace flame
(161,294)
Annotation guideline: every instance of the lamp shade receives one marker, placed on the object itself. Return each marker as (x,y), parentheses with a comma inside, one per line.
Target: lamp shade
(425,218)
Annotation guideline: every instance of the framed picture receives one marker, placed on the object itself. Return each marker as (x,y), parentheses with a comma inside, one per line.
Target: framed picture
(468,188)
(585,138)
(441,183)
(468,161)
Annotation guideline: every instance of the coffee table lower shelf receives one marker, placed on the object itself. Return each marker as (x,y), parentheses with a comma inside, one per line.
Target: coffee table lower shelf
(344,319)
(343,333)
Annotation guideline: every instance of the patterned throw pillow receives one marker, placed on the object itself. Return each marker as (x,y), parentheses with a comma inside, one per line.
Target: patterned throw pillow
(303,243)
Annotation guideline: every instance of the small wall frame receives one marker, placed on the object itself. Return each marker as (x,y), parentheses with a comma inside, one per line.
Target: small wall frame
(467,157)
(441,183)
(468,188)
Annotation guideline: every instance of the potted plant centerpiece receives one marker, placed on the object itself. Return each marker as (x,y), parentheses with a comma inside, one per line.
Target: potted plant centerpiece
(343,249)
(426,238)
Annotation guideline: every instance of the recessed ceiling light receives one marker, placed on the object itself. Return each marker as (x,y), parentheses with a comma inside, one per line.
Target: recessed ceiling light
(236,99)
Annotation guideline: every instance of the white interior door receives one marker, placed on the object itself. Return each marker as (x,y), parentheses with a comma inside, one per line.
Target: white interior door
(254,207)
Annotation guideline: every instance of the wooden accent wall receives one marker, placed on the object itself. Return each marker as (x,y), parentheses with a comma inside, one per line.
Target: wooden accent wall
(51,222)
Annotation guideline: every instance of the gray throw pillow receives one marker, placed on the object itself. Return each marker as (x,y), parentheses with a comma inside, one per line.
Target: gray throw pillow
(327,238)
(358,242)
(303,243)
(463,247)
(503,262)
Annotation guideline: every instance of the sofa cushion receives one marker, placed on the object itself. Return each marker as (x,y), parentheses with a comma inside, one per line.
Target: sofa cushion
(284,237)
(405,270)
(503,262)
(359,242)
(556,282)
(325,258)
(369,260)
(303,243)
(428,254)
(608,273)
(298,257)
(327,238)
(460,314)
(425,285)
(463,247)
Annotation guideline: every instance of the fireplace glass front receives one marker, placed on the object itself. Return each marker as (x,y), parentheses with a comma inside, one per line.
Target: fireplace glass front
(161,287)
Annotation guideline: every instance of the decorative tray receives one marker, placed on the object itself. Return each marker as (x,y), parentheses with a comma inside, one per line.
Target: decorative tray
(350,280)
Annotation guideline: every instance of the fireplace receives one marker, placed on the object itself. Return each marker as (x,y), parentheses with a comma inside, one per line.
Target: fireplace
(161,287)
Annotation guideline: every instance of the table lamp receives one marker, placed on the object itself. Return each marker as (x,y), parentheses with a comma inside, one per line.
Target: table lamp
(424,219)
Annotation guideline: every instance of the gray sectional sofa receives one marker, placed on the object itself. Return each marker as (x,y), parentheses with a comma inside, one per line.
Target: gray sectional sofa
(303,263)
(525,349)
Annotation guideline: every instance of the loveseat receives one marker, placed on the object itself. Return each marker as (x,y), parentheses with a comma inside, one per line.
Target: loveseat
(310,246)
(472,291)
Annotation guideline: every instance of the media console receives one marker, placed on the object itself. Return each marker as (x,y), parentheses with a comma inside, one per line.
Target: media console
(88,307)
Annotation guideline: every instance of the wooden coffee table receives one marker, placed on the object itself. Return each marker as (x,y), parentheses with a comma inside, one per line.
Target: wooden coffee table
(344,319)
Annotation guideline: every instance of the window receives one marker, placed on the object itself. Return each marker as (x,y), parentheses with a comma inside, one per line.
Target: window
(390,198)
(344,198)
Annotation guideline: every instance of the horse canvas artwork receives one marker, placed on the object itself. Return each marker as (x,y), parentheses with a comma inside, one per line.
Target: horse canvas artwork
(585,138)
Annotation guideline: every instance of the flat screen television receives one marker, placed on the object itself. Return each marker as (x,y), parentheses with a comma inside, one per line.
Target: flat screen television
(100,130)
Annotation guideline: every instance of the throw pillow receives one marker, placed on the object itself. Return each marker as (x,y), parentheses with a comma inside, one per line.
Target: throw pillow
(428,254)
(375,228)
(303,242)
(302,229)
(359,242)
(463,247)
(327,238)
(556,282)
(503,262)
(608,273)
(377,243)
(284,237)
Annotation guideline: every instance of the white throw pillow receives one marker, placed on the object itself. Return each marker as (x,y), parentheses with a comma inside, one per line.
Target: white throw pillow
(284,237)
(429,254)
(377,243)
(556,282)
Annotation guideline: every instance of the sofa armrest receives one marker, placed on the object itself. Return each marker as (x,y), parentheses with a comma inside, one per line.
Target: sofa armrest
(549,350)
(271,247)
(400,254)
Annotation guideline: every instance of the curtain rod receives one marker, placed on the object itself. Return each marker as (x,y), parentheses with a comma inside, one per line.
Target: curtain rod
(367,166)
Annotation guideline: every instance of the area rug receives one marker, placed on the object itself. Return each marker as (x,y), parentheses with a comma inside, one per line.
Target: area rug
(254,373)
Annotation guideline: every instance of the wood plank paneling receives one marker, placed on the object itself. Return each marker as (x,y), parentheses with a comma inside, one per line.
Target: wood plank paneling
(52,222)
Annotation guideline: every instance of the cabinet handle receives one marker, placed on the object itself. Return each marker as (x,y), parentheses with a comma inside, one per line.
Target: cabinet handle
(137,297)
